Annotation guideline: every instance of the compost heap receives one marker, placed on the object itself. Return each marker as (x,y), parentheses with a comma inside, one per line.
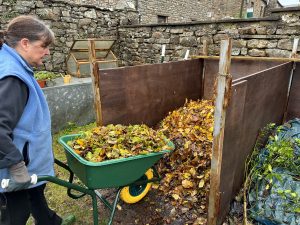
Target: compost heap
(274,196)
(186,170)
(117,141)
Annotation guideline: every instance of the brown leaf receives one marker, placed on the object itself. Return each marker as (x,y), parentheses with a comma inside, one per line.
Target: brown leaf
(187,184)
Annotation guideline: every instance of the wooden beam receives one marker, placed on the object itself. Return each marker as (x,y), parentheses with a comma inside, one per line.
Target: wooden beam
(275,59)
(81,62)
(95,75)
(223,91)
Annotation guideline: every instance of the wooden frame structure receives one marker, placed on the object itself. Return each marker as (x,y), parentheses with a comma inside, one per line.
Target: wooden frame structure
(78,60)
(250,93)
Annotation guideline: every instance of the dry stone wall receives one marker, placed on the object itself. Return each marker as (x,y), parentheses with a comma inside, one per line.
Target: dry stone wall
(264,37)
(139,44)
(104,4)
(69,21)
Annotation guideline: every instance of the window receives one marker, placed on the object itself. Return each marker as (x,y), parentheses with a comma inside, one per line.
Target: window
(162,19)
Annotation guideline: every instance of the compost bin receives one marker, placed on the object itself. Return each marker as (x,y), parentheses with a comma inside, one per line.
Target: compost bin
(258,96)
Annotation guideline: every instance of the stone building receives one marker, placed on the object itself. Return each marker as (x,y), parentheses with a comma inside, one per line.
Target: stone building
(261,8)
(256,8)
(165,11)
(142,43)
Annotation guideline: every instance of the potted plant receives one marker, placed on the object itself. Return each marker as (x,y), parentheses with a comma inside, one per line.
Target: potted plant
(42,76)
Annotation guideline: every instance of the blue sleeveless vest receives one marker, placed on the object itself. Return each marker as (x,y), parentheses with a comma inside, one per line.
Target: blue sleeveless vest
(34,126)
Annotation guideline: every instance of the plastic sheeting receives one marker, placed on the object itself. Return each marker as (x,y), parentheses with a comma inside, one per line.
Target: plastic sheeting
(275,206)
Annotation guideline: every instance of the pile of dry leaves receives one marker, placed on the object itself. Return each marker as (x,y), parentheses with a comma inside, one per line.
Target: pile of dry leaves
(118,141)
(186,171)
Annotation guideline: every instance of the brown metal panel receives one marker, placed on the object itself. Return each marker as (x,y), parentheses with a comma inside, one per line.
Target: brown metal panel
(145,94)
(234,119)
(239,68)
(210,69)
(294,99)
(264,103)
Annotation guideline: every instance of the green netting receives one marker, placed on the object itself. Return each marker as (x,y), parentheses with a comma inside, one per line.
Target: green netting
(274,197)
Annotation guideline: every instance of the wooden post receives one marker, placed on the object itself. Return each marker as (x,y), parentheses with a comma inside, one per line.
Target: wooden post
(163,52)
(205,53)
(293,55)
(95,75)
(295,48)
(205,48)
(223,91)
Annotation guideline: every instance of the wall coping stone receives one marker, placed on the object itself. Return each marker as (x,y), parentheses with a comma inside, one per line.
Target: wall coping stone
(92,6)
(257,36)
(287,9)
(271,18)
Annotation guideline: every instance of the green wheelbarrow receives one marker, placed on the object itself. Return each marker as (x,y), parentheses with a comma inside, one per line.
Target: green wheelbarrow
(131,176)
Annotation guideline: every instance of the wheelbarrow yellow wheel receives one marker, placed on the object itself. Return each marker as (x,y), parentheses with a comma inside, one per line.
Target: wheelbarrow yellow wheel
(134,193)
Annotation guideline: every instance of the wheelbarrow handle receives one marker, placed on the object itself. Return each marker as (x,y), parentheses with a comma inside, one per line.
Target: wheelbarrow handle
(34,178)
(5,182)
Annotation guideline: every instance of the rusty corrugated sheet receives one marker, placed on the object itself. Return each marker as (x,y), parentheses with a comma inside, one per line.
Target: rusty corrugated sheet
(145,94)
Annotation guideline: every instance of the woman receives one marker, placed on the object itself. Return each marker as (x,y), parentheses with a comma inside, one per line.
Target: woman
(25,126)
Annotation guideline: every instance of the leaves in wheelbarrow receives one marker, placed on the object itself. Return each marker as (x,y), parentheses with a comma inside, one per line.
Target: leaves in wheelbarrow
(117,141)
(186,170)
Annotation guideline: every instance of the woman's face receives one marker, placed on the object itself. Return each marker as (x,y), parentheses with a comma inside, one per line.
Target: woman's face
(36,52)
(32,51)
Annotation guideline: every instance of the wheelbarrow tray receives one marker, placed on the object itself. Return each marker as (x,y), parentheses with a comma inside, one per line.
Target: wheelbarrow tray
(109,173)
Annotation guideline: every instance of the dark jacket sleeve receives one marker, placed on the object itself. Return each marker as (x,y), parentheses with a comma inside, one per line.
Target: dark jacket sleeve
(13,98)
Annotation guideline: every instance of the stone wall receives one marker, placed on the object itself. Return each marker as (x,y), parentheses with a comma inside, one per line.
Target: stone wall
(69,21)
(270,37)
(104,4)
(139,44)
(71,103)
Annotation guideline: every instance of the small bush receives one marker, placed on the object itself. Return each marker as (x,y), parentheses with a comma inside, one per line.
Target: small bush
(46,75)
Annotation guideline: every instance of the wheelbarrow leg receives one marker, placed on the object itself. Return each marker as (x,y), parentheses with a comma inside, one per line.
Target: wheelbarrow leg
(114,206)
(95,208)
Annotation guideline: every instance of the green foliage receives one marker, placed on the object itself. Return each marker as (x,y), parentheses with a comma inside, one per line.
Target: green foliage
(278,153)
(252,165)
(293,197)
(46,75)
(281,154)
